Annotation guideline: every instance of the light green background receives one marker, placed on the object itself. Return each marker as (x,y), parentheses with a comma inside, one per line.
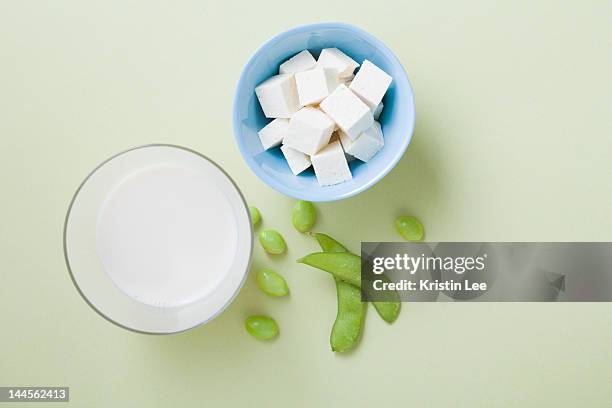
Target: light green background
(513,142)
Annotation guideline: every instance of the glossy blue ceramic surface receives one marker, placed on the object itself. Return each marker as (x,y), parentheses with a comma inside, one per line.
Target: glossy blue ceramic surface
(397,119)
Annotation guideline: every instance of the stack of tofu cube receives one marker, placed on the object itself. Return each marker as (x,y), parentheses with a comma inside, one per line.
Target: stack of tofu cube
(323,114)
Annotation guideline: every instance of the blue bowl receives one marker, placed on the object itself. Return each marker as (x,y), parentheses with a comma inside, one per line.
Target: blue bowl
(397,119)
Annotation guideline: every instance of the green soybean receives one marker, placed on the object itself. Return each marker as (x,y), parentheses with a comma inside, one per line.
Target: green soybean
(271,283)
(328,244)
(255,215)
(388,310)
(303,216)
(261,327)
(272,242)
(346,332)
(343,265)
(409,228)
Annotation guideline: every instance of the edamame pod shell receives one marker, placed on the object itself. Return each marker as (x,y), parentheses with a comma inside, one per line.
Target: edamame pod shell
(328,244)
(343,265)
(388,311)
(346,331)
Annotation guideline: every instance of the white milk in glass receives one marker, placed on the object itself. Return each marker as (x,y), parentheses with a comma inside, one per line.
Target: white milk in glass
(166,235)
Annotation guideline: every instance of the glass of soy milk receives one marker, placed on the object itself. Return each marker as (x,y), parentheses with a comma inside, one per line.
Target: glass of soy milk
(158,239)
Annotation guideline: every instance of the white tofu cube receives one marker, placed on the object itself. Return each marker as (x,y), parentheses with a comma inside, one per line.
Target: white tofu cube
(297,161)
(337,60)
(309,130)
(378,110)
(298,63)
(278,96)
(315,85)
(336,138)
(273,133)
(370,83)
(330,165)
(366,145)
(351,114)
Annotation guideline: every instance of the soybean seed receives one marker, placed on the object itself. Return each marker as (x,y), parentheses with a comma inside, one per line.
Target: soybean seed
(272,242)
(271,283)
(255,215)
(409,228)
(304,215)
(261,327)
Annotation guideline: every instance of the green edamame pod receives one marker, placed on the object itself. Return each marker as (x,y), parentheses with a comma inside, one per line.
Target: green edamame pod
(409,227)
(389,310)
(328,244)
(255,215)
(303,216)
(346,332)
(261,327)
(343,265)
(271,283)
(272,242)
